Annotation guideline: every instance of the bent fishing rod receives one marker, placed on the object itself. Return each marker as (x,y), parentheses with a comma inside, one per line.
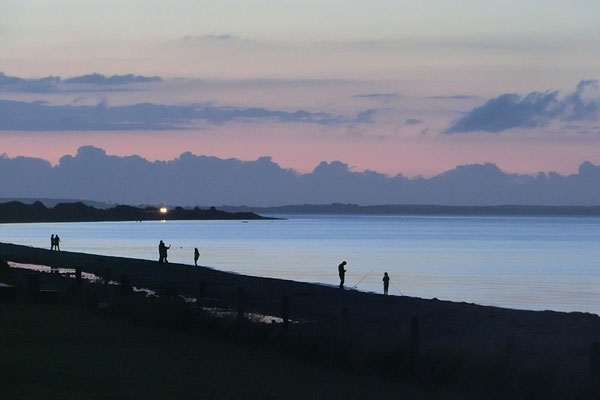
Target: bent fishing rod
(395,287)
(361,279)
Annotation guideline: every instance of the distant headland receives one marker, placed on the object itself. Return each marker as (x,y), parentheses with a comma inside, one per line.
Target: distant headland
(15,212)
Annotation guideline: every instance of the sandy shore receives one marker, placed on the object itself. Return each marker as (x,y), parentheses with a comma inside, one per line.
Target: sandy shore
(556,341)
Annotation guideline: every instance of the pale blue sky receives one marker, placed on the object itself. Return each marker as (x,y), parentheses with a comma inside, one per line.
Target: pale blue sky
(333,20)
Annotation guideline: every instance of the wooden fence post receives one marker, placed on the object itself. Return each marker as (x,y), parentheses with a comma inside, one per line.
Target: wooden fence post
(240,309)
(285,312)
(126,288)
(200,295)
(413,342)
(78,278)
(595,361)
(33,281)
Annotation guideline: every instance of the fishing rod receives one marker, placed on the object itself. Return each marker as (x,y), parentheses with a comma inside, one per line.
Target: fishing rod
(398,290)
(361,279)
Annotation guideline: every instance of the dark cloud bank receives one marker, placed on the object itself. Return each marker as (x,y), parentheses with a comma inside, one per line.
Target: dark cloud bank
(51,84)
(40,116)
(536,109)
(207,181)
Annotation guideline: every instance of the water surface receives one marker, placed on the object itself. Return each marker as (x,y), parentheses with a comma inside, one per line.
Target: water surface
(520,262)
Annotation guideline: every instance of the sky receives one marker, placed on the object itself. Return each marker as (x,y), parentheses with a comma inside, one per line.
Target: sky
(406,87)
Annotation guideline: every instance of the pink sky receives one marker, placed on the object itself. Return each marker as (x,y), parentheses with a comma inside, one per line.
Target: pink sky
(302,150)
(412,69)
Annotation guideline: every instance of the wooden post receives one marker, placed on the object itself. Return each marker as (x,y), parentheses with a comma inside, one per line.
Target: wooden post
(106,277)
(78,279)
(240,310)
(595,361)
(106,280)
(4,268)
(413,342)
(33,281)
(285,312)
(345,318)
(125,285)
(200,295)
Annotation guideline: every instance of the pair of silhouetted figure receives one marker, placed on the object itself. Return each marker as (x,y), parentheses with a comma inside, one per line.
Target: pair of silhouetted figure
(162,252)
(342,274)
(54,242)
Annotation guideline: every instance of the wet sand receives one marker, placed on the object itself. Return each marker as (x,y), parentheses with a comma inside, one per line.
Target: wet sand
(556,341)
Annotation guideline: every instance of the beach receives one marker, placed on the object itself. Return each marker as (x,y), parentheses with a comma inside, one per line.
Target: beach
(557,345)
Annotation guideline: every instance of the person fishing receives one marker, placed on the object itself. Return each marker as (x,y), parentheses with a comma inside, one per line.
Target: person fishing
(386,283)
(162,252)
(342,273)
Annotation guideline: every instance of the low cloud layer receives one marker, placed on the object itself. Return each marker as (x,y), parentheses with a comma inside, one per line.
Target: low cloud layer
(53,84)
(101,80)
(40,116)
(535,109)
(206,181)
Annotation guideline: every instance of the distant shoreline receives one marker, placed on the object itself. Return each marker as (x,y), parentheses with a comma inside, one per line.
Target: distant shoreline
(48,210)
(17,212)
(353,209)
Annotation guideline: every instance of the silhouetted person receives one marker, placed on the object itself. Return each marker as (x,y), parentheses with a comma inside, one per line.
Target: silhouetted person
(162,252)
(386,283)
(167,248)
(57,242)
(342,273)
(52,242)
(196,256)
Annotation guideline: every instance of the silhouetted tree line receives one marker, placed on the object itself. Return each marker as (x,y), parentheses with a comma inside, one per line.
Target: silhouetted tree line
(15,211)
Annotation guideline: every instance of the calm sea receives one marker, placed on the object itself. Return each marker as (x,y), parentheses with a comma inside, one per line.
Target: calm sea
(535,263)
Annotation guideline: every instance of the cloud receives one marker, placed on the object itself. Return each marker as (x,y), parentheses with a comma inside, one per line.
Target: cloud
(201,180)
(219,40)
(16,84)
(412,121)
(101,80)
(384,98)
(454,97)
(365,117)
(536,109)
(52,84)
(40,116)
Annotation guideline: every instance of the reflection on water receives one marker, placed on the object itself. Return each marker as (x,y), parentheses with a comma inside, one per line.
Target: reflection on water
(520,262)
(215,311)
(62,271)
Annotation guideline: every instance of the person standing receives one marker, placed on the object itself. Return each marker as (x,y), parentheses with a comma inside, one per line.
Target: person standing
(57,242)
(196,256)
(342,273)
(386,283)
(52,242)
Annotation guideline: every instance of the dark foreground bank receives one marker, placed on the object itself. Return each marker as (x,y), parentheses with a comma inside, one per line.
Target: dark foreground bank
(437,345)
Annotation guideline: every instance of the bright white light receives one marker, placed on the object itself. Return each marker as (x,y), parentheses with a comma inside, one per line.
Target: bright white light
(163,210)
